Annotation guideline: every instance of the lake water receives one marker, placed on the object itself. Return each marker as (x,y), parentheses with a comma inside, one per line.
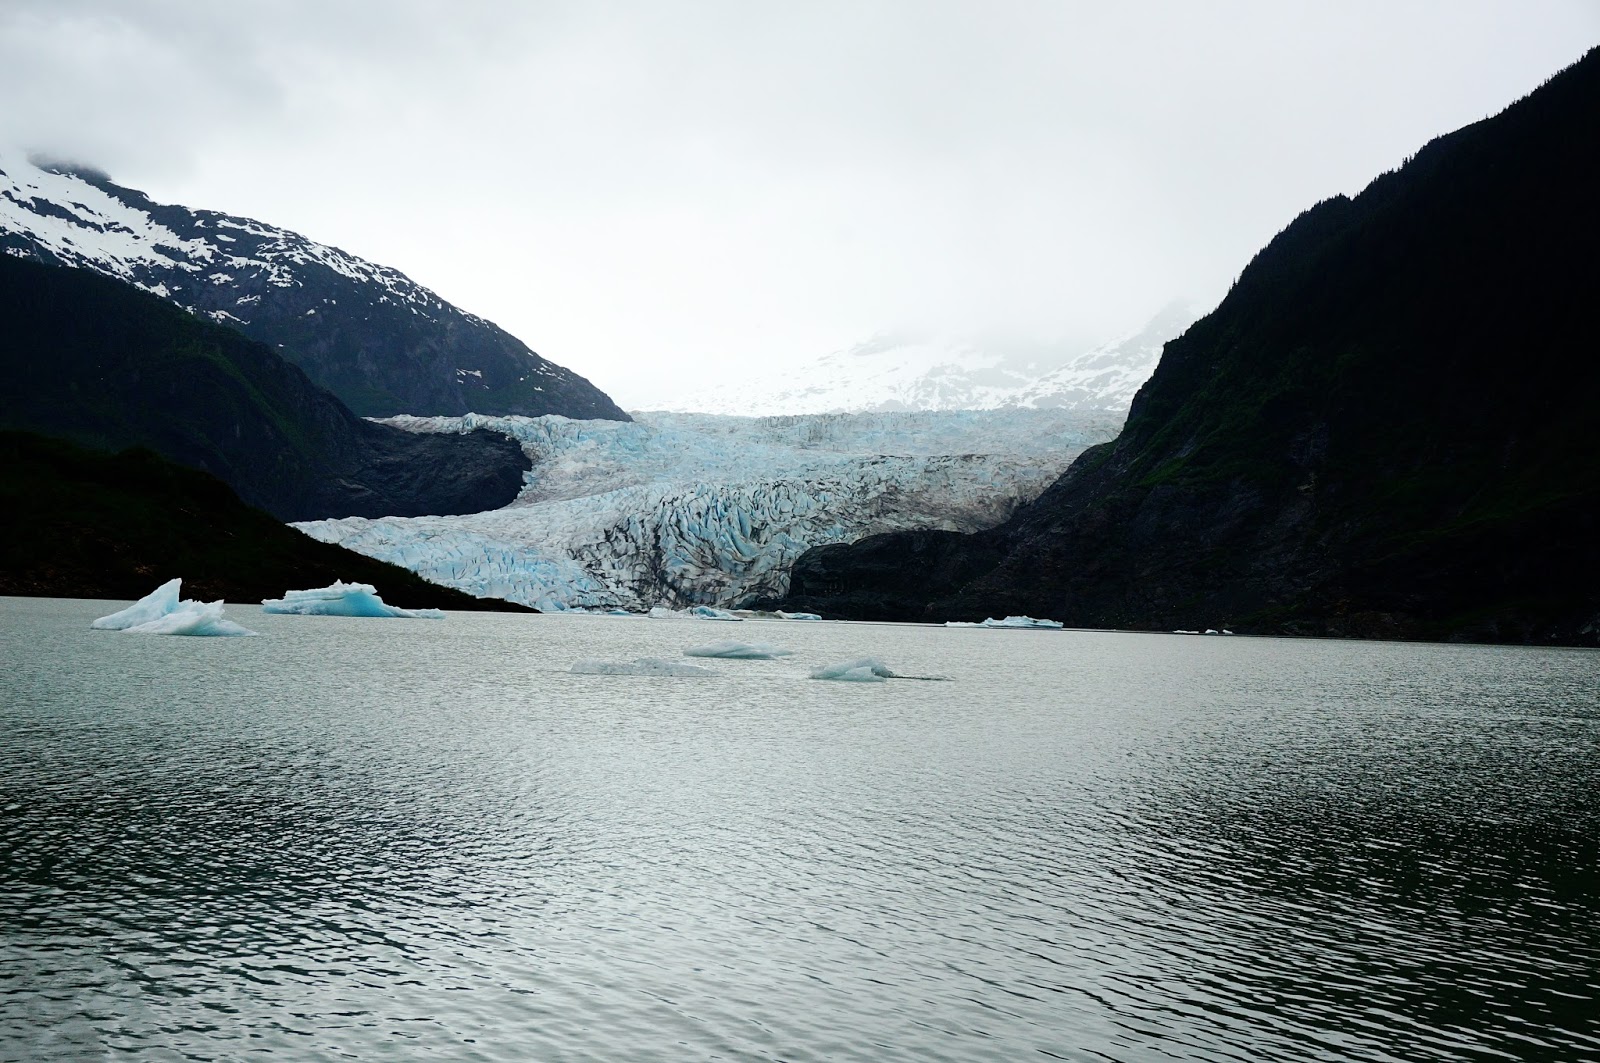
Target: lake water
(375,839)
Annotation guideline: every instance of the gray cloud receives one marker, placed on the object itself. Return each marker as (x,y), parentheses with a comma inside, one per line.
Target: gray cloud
(650,190)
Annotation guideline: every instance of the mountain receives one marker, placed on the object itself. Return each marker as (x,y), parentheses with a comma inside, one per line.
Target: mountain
(82,524)
(97,361)
(696,509)
(1385,429)
(379,341)
(919,373)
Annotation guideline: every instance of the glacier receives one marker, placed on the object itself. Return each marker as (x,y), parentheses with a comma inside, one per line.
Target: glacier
(343,599)
(679,511)
(162,613)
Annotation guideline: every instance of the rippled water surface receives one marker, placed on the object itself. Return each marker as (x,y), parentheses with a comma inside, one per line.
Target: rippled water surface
(398,839)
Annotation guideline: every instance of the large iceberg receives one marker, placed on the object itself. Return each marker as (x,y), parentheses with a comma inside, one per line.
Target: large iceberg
(162,613)
(651,666)
(859,670)
(1010,621)
(739,651)
(343,599)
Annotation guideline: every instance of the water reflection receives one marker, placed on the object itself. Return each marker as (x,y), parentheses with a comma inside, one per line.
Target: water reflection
(355,838)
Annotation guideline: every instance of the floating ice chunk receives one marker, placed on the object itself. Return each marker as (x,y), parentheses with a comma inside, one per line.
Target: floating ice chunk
(191,618)
(662,612)
(161,613)
(653,666)
(797,616)
(859,670)
(1010,621)
(343,599)
(743,651)
(156,604)
(711,612)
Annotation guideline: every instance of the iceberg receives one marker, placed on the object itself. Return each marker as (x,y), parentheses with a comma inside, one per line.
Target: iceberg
(711,612)
(1010,621)
(739,651)
(859,670)
(651,666)
(162,613)
(343,599)
(797,616)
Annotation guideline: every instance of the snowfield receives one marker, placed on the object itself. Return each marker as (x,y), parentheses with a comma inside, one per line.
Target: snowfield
(694,509)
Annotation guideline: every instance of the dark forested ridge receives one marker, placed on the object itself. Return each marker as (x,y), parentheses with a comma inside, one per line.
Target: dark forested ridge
(1386,429)
(83,524)
(94,360)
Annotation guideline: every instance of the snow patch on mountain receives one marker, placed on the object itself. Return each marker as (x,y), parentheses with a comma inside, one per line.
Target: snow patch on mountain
(683,509)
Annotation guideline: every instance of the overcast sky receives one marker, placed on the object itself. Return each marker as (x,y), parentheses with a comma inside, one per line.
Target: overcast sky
(655,193)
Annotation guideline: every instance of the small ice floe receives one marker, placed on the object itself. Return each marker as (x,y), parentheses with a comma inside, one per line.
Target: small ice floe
(711,612)
(739,651)
(1010,621)
(662,612)
(859,670)
(161,613)
(781,615)
(343,599)
(652,666)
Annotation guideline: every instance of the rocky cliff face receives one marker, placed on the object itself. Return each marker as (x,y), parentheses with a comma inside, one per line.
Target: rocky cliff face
(96,361)
(379,341)
(1384,430)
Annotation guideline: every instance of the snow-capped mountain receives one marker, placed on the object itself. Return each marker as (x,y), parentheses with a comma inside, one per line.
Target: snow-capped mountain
(686,509)
(379,341)
(914,373)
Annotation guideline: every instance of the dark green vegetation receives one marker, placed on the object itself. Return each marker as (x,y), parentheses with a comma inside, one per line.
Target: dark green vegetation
(1386,429)
(81,524)
(97,361)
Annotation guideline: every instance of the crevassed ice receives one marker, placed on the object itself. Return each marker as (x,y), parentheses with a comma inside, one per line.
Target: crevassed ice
(343,599)
(682,510)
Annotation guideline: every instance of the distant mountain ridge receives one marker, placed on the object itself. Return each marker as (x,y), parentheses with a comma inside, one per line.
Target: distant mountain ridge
(1386,429)
(891,373)
(382,343)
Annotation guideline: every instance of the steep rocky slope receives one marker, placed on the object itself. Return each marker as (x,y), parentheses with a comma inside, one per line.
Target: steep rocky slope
(94,360)
(1385,429)
(378,340)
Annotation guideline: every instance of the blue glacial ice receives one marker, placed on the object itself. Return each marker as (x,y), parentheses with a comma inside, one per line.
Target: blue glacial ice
(781,615)
(739,651)
(858,670)
(680,510)
(647,666)
(343,599)
(1010,621)
(162,613)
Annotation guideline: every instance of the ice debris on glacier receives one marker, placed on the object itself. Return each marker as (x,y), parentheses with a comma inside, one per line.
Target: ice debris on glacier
(740,651)
(1010,621)
(649,666)
(343,599)
(859,670)
(161,613)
